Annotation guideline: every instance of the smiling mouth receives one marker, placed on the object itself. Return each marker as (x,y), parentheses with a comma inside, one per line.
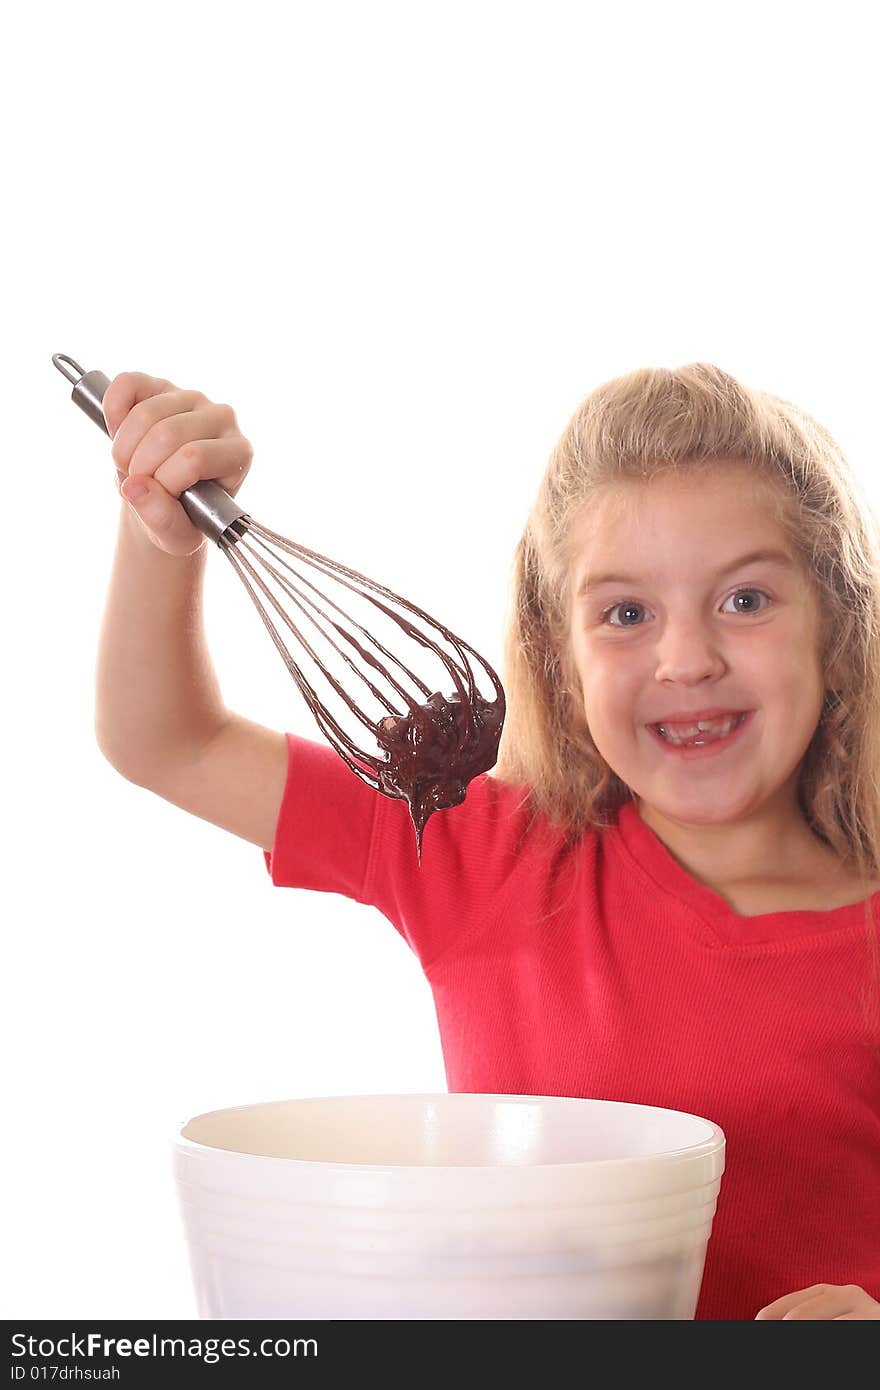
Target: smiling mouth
(700,732)
(717,734)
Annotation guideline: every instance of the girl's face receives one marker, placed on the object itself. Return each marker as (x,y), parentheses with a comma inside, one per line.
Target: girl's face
(687,626)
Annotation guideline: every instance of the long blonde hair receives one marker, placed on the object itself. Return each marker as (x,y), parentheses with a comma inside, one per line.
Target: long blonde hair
(633,429)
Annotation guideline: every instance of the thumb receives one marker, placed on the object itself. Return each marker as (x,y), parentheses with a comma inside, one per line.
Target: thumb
(162,515)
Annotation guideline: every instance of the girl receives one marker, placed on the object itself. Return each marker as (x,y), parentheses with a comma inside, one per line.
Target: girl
(663,892)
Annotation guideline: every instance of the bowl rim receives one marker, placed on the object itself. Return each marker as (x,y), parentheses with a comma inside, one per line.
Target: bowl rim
(713,1143)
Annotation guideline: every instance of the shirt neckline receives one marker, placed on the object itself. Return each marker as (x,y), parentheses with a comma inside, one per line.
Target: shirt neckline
(649,851)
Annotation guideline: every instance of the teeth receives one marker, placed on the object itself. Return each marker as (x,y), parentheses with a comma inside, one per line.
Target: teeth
(719,728)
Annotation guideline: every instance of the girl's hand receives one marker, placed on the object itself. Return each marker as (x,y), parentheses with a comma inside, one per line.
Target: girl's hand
(165,439)
(842,1302)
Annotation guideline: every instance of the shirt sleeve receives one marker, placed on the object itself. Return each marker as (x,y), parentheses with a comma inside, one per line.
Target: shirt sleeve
(325,825)
(336,834)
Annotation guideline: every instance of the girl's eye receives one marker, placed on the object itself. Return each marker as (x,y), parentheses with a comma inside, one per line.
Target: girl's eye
(628,607)
(753,608)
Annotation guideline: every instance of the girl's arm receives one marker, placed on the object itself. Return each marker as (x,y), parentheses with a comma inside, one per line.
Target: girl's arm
(160,718)
(157,695)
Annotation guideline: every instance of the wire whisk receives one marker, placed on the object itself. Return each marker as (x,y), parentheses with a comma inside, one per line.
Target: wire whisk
(431,744)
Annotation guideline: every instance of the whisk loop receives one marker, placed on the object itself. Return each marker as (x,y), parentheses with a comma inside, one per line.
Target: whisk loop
(432,745)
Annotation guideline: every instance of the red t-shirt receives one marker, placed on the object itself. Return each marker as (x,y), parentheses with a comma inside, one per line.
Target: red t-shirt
(605,970)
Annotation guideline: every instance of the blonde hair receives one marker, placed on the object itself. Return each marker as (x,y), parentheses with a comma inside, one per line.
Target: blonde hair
(635,428)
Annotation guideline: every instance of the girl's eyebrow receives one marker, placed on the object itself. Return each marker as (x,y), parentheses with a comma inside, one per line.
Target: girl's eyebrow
(754,557)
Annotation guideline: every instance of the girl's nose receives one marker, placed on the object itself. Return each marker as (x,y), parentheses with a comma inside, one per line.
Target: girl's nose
(688,652)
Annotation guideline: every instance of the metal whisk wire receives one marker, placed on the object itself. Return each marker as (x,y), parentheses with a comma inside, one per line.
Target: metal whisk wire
(461,673)
(239,537)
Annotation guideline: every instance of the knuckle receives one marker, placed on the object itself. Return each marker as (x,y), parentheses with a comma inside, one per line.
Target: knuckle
(182,468)
(122,380)
(164,433)
(191,459)
(190,453)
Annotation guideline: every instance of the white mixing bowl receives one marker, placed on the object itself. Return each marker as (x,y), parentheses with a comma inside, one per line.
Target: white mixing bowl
(447,1206)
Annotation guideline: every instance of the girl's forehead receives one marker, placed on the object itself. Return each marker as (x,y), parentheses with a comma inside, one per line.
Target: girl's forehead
(734,493)
(680,525)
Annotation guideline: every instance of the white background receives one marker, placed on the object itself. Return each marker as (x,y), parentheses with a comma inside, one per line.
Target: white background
(400,239)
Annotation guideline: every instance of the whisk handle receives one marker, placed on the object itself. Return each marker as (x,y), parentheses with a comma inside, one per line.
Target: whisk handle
(207,504)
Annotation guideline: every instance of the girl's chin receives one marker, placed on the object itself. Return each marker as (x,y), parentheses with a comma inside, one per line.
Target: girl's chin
(689,813)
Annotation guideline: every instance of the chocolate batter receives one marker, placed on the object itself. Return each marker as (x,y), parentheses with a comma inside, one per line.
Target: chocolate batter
(435,750)
(432,748)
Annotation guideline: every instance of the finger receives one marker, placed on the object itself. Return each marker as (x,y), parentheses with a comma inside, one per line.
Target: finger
(163,517)
(781,1306)
(819,1308)
(825,1305)
(861,1307)
(146,413)
(225,461)
(176,427)
(126,390)
(866,1309)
